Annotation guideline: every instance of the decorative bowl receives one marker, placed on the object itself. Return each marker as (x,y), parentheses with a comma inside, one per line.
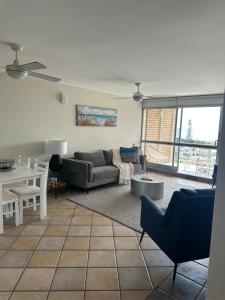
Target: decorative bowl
(6,163)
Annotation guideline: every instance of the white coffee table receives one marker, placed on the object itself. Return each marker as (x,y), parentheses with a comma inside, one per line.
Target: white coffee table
(154,189)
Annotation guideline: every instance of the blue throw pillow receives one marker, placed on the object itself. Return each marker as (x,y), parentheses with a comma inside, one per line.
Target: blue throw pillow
(130,155)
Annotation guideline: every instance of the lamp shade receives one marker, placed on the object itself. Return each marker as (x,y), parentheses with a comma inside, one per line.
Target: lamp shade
(56,147)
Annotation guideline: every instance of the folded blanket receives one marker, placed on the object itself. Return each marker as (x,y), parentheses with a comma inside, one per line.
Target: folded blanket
(126,169)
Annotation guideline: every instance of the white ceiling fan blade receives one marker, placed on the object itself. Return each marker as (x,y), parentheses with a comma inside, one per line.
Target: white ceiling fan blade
(32,66)
(156,97)
(43,76)
(123,98)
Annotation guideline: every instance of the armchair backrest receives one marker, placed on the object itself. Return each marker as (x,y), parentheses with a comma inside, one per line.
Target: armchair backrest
(189,219)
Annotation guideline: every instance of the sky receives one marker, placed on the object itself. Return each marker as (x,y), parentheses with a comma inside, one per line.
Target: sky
(205,123)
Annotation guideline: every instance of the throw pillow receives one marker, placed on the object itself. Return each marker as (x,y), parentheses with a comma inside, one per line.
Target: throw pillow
(108,154)
(96,158)
(130,155)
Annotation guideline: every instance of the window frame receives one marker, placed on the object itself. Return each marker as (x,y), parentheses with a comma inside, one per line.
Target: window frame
(175,143)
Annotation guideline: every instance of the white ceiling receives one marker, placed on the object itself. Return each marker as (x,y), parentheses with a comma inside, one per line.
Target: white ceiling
(173,46)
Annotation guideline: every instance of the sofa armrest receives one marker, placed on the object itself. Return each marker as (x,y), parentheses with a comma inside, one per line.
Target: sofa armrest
(143,161)
(151,215)
(77,172)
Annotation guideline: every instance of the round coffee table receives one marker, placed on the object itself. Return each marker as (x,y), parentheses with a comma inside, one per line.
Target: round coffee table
(154,189)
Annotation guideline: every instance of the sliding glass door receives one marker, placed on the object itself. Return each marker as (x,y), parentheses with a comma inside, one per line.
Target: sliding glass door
(182,138)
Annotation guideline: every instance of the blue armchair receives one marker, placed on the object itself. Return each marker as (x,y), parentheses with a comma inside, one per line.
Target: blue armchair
(183,231)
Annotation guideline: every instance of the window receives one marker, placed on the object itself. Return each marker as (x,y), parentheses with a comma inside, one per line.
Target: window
(182,138)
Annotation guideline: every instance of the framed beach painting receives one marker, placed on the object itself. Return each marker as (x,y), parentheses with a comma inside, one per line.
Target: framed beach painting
(95,116)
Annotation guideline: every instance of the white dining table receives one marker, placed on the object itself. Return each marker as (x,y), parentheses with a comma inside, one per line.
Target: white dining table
(20,174)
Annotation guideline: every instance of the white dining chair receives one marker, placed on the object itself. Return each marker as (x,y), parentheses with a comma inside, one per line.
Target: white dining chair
(29,192)
(22,162)
(10,206)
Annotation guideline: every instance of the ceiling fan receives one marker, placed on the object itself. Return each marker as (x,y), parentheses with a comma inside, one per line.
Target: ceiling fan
(17,71)
(138,96)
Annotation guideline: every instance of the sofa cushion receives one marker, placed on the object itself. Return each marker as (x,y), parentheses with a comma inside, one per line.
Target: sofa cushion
(105,172)
(96,158)
(130,155)
(108,154)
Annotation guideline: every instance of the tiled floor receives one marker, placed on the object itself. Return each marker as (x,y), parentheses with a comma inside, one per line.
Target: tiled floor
(76,254)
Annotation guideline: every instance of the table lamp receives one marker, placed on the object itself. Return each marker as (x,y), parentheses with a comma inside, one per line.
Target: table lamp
(56,148)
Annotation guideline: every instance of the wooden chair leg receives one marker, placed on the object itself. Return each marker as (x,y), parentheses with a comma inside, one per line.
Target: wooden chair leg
(142,235)
(174,272)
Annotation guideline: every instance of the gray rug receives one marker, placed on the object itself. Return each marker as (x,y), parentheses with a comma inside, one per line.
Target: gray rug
(117,203)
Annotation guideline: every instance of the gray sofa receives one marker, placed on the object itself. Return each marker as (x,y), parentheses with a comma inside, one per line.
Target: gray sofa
(88,170)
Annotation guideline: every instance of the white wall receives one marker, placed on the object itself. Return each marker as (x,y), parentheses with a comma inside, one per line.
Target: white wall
(216,278)
(30,114)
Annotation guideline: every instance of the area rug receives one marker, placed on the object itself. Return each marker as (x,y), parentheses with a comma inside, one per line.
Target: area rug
(117,202)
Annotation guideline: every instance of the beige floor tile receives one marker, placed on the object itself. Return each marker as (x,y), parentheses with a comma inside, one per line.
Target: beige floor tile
(37,221)
(12,230)
(73,258)
(51,211)
(202,295)
(67,212)
(29,296)
(79,231)
(102,259)
(102,295)
(56,230)
(158,274)
(194,271)
(6,241)
(44,259)
(148,244)
(60,220)
(134,279)
(158,294)
(51,243)
(4,295)
(35,280)
(15,259)
(123,231)
(102,279)
(67,204)
(25,243)
(81,211)
(182,288)
(33,230)
(204,262)
(156,258)
(102,243)
(81,220)
(130,258)
(69,279)
(9,278)
(101,221)
(2,252)
(129,243)
(77,243)
(65,295)
(135,295)
(116,223)
(101,231)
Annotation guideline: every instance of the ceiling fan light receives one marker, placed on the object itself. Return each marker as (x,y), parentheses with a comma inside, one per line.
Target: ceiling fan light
(17,74)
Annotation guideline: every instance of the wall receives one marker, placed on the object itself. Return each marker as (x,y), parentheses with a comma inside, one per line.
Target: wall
(216,278)
(30,114)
